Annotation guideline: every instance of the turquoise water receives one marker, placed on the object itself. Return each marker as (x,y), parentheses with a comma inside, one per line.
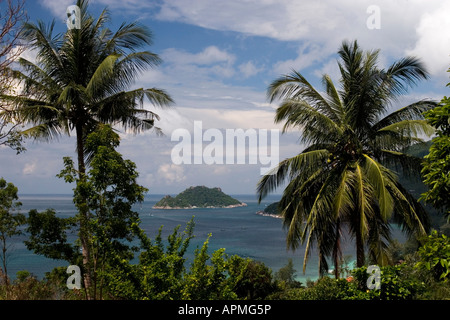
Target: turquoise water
(239,230)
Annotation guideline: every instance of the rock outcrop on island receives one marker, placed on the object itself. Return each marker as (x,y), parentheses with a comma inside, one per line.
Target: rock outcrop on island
(198,197)
(271,210)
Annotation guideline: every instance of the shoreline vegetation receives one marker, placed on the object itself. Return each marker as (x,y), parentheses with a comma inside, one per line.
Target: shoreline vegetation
(272,210)
(198,197)
(265,214)
(242,204)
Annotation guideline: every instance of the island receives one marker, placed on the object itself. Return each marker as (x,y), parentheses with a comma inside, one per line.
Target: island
(199,197)
(272,210)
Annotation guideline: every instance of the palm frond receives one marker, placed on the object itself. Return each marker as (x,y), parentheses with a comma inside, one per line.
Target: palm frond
(343,203)
(130,37)
(404,74)
(363,206)
(35,79)
(413,111)
(408,212)
(334,99)
(406,164)
(40,37)
(304,163)
(101,79)
(44,131)
(413,128)
(295,87)
(375,176)
(158,97)
(315,126)
(131,65)
(378,242)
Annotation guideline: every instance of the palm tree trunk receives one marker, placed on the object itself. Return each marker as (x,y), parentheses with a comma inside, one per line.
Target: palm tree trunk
(359,250)
(84,214)
(337,253)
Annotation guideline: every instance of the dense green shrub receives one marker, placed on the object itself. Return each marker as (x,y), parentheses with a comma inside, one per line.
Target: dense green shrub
(435,256)
(399,282)
(161,273)
(27,287)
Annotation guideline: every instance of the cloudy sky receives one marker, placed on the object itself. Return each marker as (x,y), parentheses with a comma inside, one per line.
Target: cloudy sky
(218,59)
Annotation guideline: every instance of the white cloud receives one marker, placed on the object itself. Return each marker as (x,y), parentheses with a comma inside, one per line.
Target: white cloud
(249,69)
(231,119)
(29,168)
(433,43)
(208,56)
(172,119)
(416,25)
(271,18)
(211,61)
(170,173)
(323,25)
(58,7)
(195,81)
(308,54)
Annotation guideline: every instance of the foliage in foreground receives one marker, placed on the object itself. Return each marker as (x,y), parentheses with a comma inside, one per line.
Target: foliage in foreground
(437,162)
(162,274)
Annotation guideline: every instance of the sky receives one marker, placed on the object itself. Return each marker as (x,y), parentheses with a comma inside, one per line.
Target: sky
(219,57)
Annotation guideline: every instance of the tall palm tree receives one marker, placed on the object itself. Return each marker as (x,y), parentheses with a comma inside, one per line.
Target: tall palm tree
(81,79)
(344,180)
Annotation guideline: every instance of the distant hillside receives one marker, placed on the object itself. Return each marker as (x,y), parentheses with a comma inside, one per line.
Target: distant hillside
(419,150)
(198,197)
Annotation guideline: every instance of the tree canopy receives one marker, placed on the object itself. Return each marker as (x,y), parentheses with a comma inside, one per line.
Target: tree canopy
(342,178)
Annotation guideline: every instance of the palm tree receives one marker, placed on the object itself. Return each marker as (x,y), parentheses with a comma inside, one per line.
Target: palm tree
(82,79)
(344,180)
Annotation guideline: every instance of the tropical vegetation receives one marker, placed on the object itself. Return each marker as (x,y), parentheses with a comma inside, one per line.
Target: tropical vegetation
(80,80)
(344,180)
(436,168)
(348,179)
(198,197)
(10,222)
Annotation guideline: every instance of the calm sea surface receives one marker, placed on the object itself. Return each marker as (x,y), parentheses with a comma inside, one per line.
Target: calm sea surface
(239,230)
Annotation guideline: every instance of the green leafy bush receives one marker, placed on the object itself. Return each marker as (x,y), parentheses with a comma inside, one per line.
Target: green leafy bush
(435,256)
(437,162)
(399,282)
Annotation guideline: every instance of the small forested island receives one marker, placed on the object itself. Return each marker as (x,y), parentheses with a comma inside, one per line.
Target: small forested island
(199,197)
(272,210)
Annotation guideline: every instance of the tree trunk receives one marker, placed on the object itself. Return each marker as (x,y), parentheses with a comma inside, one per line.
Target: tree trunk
(337,253)
(359,249)
(4,272)
(84,214)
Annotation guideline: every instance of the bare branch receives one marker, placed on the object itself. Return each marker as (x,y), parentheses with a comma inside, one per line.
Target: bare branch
(11,21)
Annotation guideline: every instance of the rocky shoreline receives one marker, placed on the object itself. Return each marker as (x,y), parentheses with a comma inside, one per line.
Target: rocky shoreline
(242,204)
(265,214)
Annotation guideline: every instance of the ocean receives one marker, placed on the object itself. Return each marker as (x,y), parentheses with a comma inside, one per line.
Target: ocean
(239,230)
